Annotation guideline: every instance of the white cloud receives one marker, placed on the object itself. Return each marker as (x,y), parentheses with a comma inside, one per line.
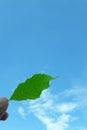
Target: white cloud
(53,114)
(66,107)
(56,111)
(58,124)
(21,111)
(51,119)
(77,94)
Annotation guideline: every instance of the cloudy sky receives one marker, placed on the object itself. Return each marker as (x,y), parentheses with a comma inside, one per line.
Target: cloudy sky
(45,37)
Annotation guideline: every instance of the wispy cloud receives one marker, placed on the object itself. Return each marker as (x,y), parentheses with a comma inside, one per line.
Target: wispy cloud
(51,112)
(56,111)
(77,94)
(21,111)
(66,107)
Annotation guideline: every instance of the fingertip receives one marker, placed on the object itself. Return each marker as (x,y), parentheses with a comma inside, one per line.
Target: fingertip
(4,101)
(4,117)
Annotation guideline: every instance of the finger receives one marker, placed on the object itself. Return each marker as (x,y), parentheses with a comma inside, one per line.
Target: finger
(3,106)
(4,117)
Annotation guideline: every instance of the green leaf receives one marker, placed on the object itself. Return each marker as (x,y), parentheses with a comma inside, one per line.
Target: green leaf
(32,87)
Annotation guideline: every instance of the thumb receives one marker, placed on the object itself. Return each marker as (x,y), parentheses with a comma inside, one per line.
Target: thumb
(3,106)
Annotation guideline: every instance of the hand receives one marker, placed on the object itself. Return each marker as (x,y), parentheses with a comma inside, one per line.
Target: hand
(3,108)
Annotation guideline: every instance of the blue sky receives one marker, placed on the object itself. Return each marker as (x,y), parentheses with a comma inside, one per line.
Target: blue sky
(45,37)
